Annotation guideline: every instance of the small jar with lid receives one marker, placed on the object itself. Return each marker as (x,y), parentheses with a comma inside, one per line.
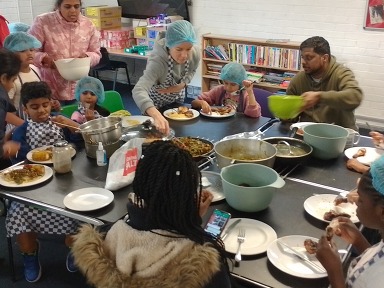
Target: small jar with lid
(61,157)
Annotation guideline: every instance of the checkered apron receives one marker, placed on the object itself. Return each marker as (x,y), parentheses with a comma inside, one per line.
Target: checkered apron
(22,218)
(351,280)
(43,134)
(162,99)
(81,110)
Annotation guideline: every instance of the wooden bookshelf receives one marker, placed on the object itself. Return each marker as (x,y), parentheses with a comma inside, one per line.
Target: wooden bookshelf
(262,55)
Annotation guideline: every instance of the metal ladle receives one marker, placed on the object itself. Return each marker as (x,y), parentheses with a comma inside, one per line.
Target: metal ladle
(286,143)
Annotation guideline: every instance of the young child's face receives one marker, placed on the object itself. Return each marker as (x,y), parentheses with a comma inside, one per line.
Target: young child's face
(368,210)
(26,57)
(89,98)
(7,83)
(38,109)
(230,87)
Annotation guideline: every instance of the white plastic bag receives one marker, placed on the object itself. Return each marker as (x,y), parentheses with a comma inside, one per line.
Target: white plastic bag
(122,164)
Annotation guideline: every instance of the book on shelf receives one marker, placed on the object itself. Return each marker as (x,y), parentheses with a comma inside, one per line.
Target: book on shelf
(216,52)
(255,76)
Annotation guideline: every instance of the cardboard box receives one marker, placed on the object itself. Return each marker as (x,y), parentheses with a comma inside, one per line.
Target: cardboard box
(153,31)
(118,44)
(103,11)
(123,33)
(140,31)
(106,23)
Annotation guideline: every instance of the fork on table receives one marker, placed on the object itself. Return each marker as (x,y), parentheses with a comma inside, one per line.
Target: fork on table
(240,240)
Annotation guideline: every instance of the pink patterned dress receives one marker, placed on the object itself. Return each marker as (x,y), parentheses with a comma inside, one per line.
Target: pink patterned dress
(62,39)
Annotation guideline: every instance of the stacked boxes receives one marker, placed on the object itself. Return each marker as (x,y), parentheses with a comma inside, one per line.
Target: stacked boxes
(104,17)
(117,38)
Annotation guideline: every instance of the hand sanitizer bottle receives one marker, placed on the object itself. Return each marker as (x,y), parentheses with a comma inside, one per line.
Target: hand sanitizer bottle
(101,155)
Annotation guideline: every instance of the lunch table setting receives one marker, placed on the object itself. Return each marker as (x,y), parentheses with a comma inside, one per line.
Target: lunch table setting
(274,202)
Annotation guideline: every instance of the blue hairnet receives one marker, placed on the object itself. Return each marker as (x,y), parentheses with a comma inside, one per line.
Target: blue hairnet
(91,84)
(18,27)
(21,41)
(179,32)
(377,173)
(233,72)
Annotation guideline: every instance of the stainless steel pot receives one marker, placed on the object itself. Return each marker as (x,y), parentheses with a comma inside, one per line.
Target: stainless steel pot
(244,151)
(287,158)
(106,130)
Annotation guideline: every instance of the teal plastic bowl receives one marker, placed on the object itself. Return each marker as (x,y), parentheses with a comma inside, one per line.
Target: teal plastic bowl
(285,106)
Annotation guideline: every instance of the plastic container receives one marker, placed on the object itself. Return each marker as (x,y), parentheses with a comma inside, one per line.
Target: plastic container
(101,155)
(61,157)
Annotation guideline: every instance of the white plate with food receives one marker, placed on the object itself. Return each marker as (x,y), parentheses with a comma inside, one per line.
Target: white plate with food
(258,236)
(25,175)
(285,260)
(365,155)
(130,121)
(43,155)
(318,205)
(176,114)
(219,112)
(88,199)
(211,181)
(300,126)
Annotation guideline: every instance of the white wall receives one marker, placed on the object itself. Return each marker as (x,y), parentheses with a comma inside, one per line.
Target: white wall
(340,22)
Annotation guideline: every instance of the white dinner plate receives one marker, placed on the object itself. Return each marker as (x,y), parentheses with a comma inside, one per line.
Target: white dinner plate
(317,205)
(88,199)
(166,113)
(129,121)
(370,156)
(211,181)
(47,175)
(286,261)
(29,155)
(217,114)
(258,236)
(300,125)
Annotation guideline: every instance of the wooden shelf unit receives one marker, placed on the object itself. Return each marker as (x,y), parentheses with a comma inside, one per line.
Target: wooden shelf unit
(291,61)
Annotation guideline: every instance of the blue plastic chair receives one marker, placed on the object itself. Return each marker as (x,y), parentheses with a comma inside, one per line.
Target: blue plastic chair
(262,98)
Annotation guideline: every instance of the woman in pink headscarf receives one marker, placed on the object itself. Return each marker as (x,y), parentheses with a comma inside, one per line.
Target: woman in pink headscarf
(64,33)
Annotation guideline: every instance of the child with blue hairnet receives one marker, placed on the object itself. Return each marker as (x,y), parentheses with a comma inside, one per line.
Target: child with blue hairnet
(235,92)
(170,68)
(367,269)
(89,92)
(24,45)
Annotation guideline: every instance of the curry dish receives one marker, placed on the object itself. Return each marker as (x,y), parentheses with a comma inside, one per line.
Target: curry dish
(26,173)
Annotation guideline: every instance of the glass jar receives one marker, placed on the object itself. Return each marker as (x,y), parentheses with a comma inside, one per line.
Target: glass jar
(61,157)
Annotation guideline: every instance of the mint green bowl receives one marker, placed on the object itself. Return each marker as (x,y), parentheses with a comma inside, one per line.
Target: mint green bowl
(285,106)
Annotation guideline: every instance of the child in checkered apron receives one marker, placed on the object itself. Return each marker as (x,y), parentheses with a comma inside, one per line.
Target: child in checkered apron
(24,221)
(89,92)
(367,269)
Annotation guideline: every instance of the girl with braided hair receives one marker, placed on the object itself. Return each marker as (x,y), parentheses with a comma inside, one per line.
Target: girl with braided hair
(163,243)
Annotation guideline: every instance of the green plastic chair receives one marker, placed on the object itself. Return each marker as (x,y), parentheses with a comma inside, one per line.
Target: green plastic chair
(113,101)
(67,110)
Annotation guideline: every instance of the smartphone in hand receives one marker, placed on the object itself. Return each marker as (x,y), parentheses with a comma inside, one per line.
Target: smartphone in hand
(217,222)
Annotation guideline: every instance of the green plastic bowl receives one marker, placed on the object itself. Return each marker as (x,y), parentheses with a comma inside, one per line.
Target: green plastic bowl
(285,106)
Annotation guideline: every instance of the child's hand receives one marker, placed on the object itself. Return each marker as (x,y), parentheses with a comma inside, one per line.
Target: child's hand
(248,85)
(205,107)
(10,149)
(89,114)
(55,104)
(377,138)
(205,201)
